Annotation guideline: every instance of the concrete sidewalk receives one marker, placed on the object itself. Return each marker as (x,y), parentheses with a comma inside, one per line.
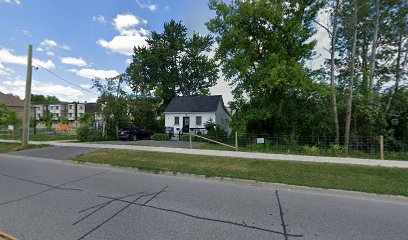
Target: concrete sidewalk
(263,156)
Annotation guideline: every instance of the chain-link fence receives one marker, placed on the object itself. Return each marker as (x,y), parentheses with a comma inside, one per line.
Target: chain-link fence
(362,147)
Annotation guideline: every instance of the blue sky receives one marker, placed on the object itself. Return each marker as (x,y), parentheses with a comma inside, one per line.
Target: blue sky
(82,39)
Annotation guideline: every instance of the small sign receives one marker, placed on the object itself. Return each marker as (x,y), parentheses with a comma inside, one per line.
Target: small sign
(260,140)
(10,127)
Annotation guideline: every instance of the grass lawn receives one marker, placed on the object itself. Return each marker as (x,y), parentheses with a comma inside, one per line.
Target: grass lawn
(43,137)
(336,176)
(12,147)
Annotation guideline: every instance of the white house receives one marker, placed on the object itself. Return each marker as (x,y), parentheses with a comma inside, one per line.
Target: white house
(191,113)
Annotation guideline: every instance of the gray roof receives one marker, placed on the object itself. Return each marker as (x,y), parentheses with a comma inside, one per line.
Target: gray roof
(194,104)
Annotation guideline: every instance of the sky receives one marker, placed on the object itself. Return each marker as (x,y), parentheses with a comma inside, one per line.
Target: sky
(79,40)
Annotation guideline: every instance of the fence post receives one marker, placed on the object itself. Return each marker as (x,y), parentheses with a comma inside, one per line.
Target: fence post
(382,147)
(191,144)
(236,141)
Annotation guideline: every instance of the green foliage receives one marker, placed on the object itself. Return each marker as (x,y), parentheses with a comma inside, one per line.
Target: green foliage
(8,117)
(47,119)
(86,119)
(64,120)
(336,150)
(313,150)
(263,46)
(41,99)
(86,133)
(161,137)
(173,64)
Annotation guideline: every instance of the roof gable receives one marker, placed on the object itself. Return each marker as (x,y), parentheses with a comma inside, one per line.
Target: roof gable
(11,100)
(194,104)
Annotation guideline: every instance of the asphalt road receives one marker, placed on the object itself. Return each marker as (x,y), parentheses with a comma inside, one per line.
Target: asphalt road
(47,199)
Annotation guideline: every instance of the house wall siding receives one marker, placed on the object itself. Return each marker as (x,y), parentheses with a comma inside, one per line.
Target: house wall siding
(222,118)
(170,117)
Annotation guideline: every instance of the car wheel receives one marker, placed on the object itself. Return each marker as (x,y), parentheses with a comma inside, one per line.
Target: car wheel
(134,138)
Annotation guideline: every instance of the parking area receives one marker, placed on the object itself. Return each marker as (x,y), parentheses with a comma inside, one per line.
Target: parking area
(176,144)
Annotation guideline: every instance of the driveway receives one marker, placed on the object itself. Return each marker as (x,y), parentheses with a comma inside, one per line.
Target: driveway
(47,199)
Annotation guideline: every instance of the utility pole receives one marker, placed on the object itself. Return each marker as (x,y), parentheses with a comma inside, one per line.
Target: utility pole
(27,100)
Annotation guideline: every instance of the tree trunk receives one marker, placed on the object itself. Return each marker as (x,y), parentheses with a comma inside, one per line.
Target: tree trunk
(351,80)
(397,74)
(374,47)
(332,77)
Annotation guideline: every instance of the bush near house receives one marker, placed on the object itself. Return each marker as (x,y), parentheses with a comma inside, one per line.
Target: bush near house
(161,137)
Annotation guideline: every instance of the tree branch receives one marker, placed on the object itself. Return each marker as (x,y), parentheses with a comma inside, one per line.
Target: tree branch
(324,27)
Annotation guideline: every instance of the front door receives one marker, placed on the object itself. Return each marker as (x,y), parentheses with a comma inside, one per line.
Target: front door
(186,124)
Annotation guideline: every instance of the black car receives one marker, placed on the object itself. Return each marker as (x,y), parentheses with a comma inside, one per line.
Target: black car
(134,133)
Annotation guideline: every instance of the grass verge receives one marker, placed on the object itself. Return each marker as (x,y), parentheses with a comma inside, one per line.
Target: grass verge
(12,147)
(379,180)
(43,137)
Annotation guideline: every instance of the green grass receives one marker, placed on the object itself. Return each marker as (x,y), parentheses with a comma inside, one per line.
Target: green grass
(43,137)
(388,155)
(12,147)
(335,176)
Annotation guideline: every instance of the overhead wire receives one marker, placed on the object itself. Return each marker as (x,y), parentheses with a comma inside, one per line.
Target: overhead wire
(69,82)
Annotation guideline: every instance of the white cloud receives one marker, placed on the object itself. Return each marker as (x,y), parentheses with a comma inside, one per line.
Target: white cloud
(222,88)
(74,61)
(65,47)
(5,71)
(151,7)
(124,22)
(7,56)
(99,19)
(50,53)
(94,73)
(86,86)
(12,1)
(65,93)
(123,44)
(72,70)
(49,43)
(144,32)
(128,36)
(39,49)
(322,40)
(26,32)
(128,61)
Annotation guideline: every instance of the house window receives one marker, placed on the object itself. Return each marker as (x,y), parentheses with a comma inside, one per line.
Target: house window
(57,114)
(51,107)
(81,107)
(176,120)
(56,107)
(70,107)
(70,115)
(198,121)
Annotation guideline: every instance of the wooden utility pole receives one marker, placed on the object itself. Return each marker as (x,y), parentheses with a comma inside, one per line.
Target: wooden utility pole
(27,100)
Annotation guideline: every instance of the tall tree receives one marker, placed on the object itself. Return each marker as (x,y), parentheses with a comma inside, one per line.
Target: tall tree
(352,75)
(263,47)
(374,45)
(173,64)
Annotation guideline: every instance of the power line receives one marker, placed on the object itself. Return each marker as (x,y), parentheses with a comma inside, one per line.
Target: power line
(52,73)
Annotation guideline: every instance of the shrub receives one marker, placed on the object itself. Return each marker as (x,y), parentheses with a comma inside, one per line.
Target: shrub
(313,150)
(87,134)
(161,137)
(336,149)
(63,128)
